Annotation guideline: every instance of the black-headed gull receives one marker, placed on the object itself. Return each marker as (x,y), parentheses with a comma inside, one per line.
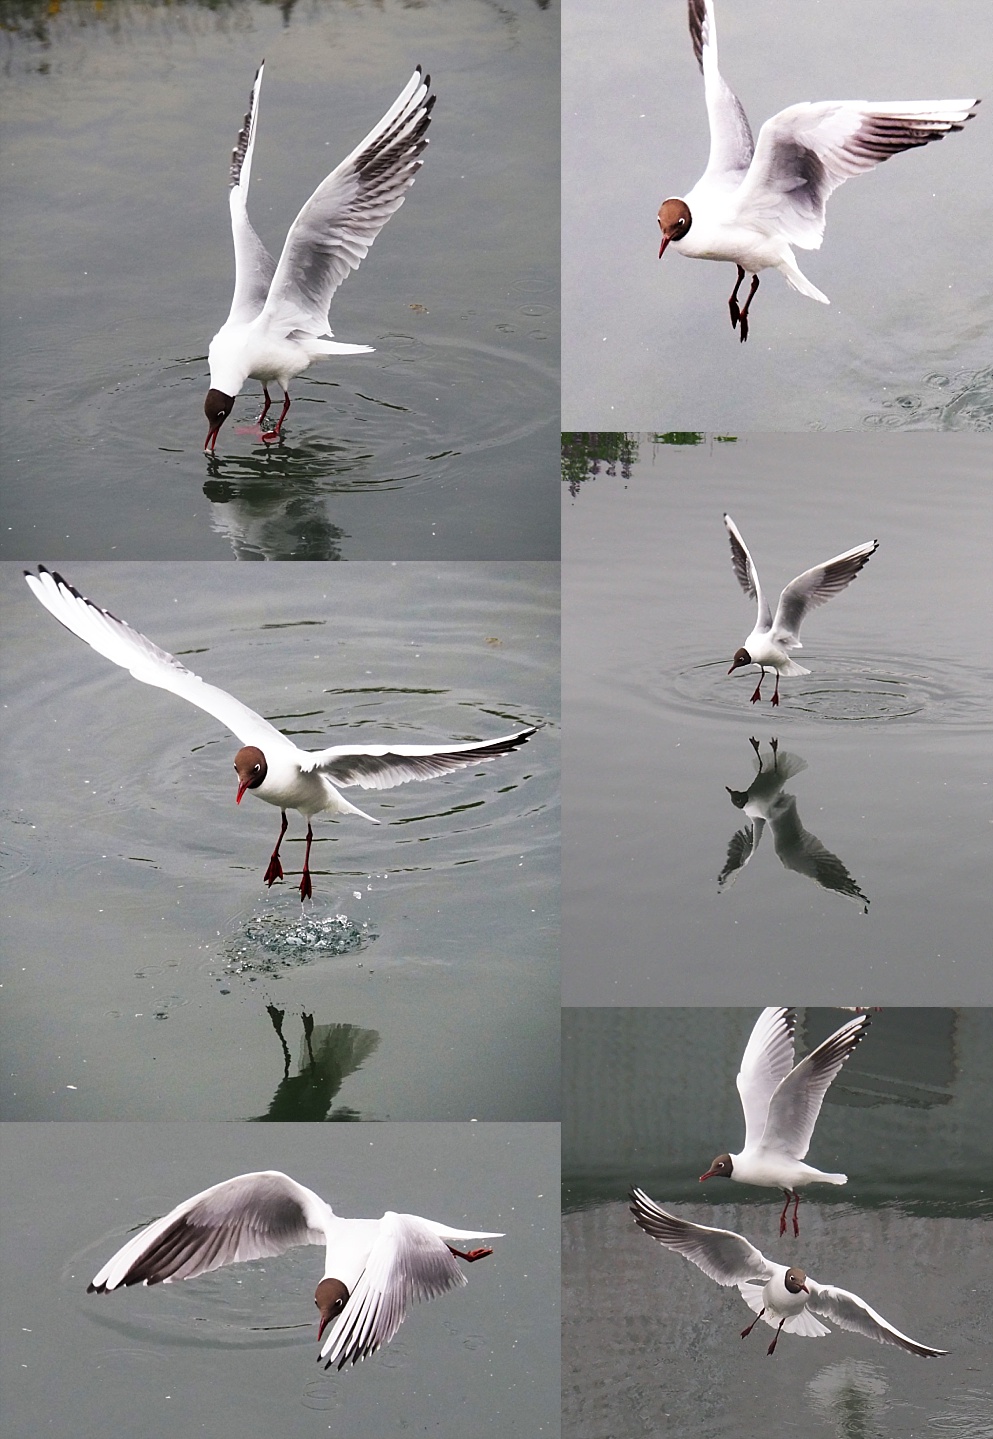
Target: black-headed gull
(785,1298)
(769,642)
(374,1269)
(754,201)
(781,1102)
(278,322)
(269,764)
(764,802)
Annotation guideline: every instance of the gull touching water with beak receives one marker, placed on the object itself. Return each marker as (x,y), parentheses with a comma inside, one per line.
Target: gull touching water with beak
(756,199)
(269,765)
(781,1101)
(278,322)
(374,1269)
(784,1298)
(770,641)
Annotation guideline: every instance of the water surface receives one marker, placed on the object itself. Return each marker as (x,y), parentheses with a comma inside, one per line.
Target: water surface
(890,730)
(648,343)
(145,962)
(119,124)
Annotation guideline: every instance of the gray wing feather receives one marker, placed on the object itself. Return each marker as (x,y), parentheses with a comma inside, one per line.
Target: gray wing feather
(724,1256)
(384,766)
(848,1311)
(253,1216)
(254,267)
(794,1107)
(815,587)
(767,1060)
(731,143)
(334,230)
(746,573)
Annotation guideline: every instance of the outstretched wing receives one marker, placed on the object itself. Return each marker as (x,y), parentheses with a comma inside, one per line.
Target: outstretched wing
(806,151)
(119,643)
(794,1107)
(746,573)
(254,267)
(383,766)
(767,1060)
(253,1216)
(332,233)
(726,1257)
(731,143)
(848,1311)
(815,587)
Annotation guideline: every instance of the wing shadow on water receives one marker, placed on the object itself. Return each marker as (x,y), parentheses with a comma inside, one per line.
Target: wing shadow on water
(766,803)
(329,1053)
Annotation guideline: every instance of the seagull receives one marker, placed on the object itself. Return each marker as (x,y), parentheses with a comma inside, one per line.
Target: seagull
(781,1101)
(374,1269)
(269,764)
(278,322)
(754,201)
(784,1298)
(765,802)
(769,641)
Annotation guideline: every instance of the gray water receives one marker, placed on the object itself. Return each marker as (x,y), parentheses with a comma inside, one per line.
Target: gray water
(233,1353)
(892,726)
(648,343)
(118,126)
(651,1345)
(143,956)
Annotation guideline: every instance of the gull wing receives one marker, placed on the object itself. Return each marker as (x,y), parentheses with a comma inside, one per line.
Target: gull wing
(803,852)
(407,1262)
(333,232)
(724,1256)
(795,1105)
(254,267)
(731,143)
(746,573)
(848,1311)
(767,1060)
(253,1216)
(815,587)
(383,766)
(806,151)
(119,643)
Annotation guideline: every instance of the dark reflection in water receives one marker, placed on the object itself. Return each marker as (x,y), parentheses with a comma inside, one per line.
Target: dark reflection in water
(329,1053)
(587,454)
(766,803)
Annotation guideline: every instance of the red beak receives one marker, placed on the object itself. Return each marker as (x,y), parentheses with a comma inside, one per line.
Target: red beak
(241,790)
(665,241)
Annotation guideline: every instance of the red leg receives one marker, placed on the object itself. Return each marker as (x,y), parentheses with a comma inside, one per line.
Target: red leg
(758,688)
(273,434)
(265,407)
(796,1206)
(472,1256)
(733,301)
(775,1338)
(306,892)
(744,312)
(775,696)
(745,1332)
(782,1217)
(275,870)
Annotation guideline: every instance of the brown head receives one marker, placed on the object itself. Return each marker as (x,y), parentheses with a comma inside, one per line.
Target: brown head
(251,768)
(217,406)
(674,222)
(796,1281)
(720,1169)
(330,1296)
(741,658)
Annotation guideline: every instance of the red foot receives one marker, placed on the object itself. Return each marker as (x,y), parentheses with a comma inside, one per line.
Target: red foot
(758,693)
(274,872)
(473,1254)
(306,891)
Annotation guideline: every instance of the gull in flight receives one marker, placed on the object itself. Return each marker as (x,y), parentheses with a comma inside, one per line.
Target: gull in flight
(770,641)
(374,1269)
(781,1101)
(278,322)
(269,764)
(755,200)
(784,1298)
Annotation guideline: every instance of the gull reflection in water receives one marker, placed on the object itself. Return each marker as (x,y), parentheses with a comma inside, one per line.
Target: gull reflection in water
(329,1054)
(764,802)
